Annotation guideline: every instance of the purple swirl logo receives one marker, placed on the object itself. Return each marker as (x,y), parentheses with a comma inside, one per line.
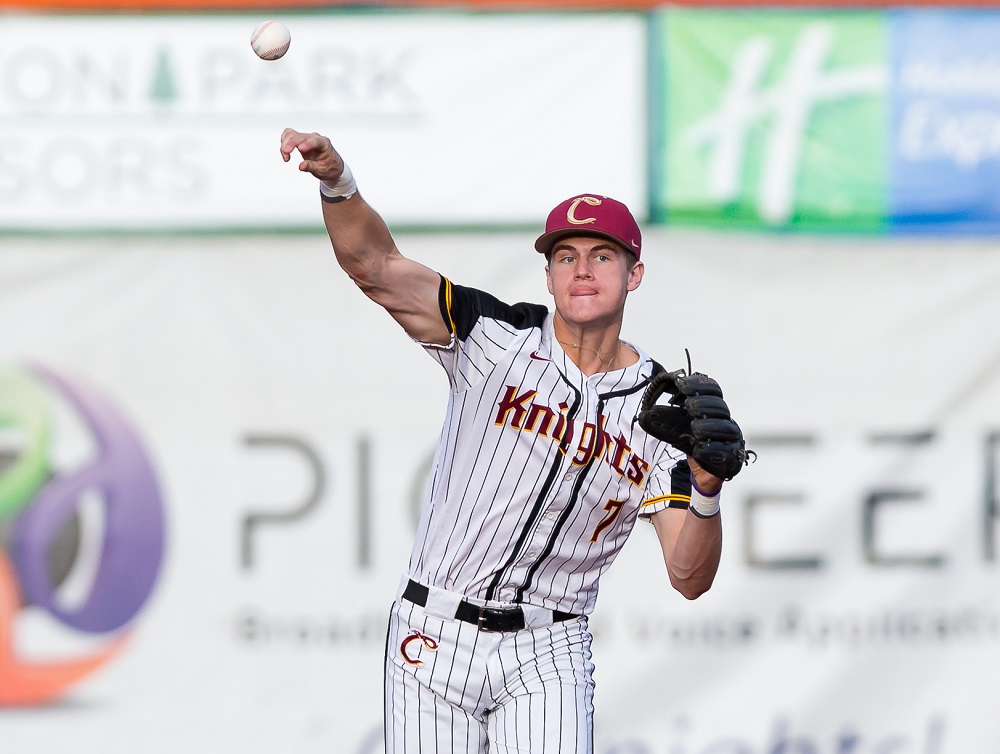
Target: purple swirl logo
(42,536)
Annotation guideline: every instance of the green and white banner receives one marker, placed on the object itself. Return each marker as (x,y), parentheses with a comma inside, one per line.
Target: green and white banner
(160,122)
(771,118)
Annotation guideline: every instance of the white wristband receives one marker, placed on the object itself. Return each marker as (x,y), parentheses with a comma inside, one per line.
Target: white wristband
(702,505)
(344,188)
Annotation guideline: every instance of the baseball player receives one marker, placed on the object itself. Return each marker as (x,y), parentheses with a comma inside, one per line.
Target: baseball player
(540,474)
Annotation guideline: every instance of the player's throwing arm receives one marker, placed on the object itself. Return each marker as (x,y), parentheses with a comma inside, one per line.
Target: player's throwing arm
(363,244)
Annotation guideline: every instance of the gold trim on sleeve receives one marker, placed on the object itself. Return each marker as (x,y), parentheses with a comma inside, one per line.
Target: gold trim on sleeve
(447,305)
(669,498)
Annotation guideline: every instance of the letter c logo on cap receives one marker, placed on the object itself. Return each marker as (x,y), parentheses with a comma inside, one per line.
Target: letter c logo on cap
(571,212)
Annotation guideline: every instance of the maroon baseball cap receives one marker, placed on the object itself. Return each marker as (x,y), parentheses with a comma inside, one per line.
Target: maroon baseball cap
(591,215)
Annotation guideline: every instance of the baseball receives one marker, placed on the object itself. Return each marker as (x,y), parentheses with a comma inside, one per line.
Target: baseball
(270,40)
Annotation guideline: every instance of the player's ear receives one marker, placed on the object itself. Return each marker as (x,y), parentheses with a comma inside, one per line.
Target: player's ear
(635,275)
(548,280)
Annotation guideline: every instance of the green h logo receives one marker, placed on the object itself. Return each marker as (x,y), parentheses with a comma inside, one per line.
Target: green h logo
(774,119)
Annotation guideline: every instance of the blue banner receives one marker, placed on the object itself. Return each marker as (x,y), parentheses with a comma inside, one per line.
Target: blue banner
(945,121)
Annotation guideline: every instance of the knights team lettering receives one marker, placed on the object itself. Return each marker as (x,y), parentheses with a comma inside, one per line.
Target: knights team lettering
(594,442)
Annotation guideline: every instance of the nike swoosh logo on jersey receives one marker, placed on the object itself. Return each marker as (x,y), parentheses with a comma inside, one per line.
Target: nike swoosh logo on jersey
(536,357)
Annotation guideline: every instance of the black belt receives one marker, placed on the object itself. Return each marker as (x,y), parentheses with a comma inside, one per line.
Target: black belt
(486,618)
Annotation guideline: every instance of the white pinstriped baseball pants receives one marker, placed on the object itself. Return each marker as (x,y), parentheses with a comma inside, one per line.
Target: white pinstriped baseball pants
(453,689)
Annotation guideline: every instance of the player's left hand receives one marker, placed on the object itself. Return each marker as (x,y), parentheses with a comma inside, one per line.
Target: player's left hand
(706,481)
(697,422)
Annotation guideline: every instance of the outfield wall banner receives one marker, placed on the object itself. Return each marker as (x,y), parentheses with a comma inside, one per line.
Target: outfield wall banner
(172,123)
(212,452)
(768,118)
(946,121)
(820,120)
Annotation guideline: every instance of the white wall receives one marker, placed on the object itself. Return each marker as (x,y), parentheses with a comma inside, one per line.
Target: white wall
(831,352)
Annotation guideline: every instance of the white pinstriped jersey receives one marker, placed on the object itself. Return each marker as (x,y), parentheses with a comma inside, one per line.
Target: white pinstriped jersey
(540,472)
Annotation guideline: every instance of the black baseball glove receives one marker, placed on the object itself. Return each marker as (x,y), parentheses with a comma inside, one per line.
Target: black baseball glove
(696,421)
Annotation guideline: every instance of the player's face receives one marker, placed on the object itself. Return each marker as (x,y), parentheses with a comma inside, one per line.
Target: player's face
(589,279)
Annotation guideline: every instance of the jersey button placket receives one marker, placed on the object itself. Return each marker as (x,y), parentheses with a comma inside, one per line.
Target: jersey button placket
(542,532)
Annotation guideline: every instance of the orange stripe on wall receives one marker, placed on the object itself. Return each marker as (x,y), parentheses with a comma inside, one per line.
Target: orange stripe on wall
(130,5)
(239,5)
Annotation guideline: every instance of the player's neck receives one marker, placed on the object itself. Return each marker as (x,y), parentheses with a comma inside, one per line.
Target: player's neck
(593,350)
